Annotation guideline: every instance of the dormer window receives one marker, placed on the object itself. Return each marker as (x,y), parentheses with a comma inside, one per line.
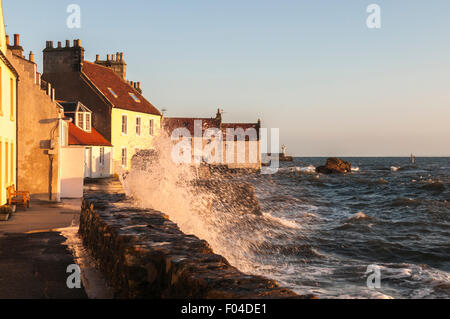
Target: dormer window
(84,121)
(134,97)
(112,92)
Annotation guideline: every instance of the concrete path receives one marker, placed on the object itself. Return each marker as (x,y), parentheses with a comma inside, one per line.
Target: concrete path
(33,257)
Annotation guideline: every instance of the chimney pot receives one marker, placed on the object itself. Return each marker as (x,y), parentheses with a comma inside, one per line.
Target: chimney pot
(97,58)
(108,57)
(113,57)
(7,39)
(67,43)
(31,57)
(16,40)
(77,43)
(121,56)
(59,44)
(139,85)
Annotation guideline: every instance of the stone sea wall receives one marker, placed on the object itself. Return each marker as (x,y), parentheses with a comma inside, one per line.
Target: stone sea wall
(145,255)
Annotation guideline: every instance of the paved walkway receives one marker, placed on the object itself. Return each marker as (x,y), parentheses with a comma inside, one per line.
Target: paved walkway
(33,257)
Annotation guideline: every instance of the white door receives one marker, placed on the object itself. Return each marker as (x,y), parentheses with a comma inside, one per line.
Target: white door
(88,162)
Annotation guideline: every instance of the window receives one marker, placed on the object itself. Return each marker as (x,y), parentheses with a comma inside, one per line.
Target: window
(102,156)
(88,122)
(6,164)
(112,92)
(124,124)
(124,157)
(80,120)
(138,126)
(12,163)
(12,98)
(134,97)
(151,127)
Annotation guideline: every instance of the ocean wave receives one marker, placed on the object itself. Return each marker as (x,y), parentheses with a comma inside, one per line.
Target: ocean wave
(307,169)
(432,185)
(403,201)
(281,221)
(359,216)
(421,281)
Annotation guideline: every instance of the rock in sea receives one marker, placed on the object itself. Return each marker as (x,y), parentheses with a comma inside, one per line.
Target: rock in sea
(335,165)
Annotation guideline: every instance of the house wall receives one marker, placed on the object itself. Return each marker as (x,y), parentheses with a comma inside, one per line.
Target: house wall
(72,172)
(38,131)
(8,116)
(98,170)
(131,140)
(245,154)
(248,150)
(72,87)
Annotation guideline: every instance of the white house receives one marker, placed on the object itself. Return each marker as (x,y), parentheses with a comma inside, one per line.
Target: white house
(81,133)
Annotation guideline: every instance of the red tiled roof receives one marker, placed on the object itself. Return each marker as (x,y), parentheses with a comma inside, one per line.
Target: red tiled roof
(172,123)
(79,137)
(103,78)
(244,126)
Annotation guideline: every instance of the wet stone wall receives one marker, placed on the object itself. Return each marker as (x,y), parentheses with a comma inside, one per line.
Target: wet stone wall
(145,255)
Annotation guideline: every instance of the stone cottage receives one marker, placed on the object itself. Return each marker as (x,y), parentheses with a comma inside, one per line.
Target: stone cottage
(120,112)
(40,126)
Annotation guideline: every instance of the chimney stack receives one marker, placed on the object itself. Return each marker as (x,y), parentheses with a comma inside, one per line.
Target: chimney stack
(16,49)
(16,40)
(97,58)
(63,59)
(108,58)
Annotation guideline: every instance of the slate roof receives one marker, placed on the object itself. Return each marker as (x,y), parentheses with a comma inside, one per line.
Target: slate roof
(104,78)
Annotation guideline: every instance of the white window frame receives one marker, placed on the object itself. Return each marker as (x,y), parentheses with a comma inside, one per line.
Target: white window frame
(138,127)
(126,124)
(80,124)
(151,129)
(86,116)
(124,157)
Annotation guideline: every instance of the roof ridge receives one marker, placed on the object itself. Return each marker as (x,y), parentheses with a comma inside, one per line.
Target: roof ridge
(116,76)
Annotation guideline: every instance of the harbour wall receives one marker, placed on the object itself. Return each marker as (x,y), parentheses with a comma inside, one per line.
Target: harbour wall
(145,255)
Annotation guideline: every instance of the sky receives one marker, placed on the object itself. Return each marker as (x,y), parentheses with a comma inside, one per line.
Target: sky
(311,68)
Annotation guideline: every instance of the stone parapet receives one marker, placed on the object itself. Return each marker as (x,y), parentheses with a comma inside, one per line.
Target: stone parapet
(145,255)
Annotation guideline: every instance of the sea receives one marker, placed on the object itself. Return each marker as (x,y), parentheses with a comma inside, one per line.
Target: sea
(382,231)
